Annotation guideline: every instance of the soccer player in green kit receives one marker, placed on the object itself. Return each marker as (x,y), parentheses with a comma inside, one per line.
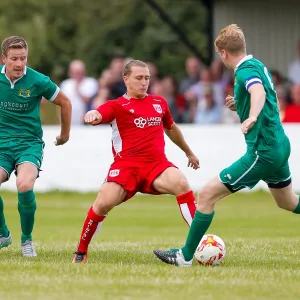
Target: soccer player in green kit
(268,148)
(21,143)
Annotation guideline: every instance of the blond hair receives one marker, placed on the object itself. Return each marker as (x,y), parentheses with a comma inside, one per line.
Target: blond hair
(13,42)
(133,63)
(231,39)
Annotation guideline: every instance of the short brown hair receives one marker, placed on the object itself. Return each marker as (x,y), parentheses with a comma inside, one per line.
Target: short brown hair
(232,39)
(133,63)
(13,42)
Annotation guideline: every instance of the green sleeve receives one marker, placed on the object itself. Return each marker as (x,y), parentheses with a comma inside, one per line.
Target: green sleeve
(248,76)
(48,88)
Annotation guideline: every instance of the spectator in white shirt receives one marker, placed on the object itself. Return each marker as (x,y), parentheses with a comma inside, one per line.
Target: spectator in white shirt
(79,89)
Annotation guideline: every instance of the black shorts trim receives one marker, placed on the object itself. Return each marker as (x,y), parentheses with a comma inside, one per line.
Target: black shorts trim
(280,185)
(230,187)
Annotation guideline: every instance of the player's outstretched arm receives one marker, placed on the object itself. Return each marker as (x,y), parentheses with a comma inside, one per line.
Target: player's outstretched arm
(177,138)
(93,117)
(65,117)
(258,99)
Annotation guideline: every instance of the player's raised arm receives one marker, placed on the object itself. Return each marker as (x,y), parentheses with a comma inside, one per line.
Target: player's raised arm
(65,117)
(177,138)
(258,99)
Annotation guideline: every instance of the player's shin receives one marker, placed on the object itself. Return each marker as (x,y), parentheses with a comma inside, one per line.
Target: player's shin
(3,228)
(297,209)
(187,206)
(26,208)
(199,226)
(91,225)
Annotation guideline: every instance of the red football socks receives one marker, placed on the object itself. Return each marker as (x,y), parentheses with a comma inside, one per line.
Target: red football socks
(187,206)
(91,223)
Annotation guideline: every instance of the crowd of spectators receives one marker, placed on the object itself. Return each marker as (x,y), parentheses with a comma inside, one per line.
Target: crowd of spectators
(197,98)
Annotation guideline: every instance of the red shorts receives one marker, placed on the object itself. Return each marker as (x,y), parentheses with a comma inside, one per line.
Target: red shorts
(137,176)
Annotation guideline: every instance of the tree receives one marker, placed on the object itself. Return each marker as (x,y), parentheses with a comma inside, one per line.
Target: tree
(58,31)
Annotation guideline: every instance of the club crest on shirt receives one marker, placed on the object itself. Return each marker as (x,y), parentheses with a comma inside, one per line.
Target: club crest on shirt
(157,107)
(24,93)
(114,173)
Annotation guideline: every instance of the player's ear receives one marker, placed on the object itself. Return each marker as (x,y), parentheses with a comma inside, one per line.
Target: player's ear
(3,58)
(223,53)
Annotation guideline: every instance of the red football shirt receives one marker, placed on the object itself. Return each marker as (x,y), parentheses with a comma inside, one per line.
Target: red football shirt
(137,126)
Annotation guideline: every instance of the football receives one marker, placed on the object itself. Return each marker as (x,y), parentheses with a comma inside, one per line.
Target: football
(211,250)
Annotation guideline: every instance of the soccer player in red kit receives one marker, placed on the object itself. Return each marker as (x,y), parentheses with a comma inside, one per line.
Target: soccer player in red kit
(138,122)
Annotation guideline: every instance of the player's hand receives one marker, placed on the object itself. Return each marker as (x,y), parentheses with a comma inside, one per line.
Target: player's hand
(60,140)
(230,103)
(92,117)
(248,124)
(193,161)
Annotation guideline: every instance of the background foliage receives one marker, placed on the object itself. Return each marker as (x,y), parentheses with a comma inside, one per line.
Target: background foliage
(58,31)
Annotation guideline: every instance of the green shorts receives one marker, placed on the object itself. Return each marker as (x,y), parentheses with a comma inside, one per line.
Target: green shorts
(270,166)
(15,152)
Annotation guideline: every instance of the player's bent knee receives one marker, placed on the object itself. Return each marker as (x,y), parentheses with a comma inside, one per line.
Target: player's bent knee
(208,196)
(101,207)
(212,192)
(204,197)
(182,186)
(103,204)
(24,185)
(285,197)
(287,204)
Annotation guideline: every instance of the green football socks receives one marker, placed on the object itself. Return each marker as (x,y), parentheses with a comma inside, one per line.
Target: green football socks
(199,226)
(26,207)
(3,228)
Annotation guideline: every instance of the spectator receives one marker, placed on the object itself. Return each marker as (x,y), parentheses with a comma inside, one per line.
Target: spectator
(105,81)
(79,89)
(282,101)
(116,67)
(192,66)
(294,68)
(176,101)
(157,88)
(277,79)
(229,116)
(280,83)
(153,76)
(219,76)
(204,109)
(197,90)
(292,111)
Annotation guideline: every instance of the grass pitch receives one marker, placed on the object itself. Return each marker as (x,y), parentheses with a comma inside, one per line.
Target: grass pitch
(262,262)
